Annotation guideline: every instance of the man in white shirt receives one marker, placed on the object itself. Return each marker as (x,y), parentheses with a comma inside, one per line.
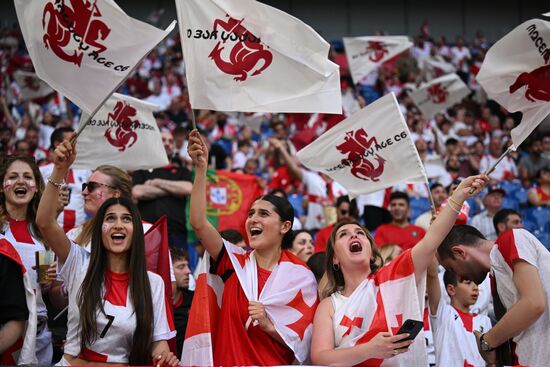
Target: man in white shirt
(520,269)
(484,220)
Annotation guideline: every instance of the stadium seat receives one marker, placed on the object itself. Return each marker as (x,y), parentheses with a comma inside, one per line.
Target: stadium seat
(475,208)
(418,206)
(530,225)
(296,201)
(538,215)
(521,196)
(510,203)
(544,238)
(511,187)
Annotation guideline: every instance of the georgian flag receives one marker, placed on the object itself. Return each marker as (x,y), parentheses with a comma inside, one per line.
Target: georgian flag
(436,66)
(242,55)
(439,94)
(31,86)
(23,351)
(369,151)
(123,133)
(380,303)
(516,74)
(84,49)
(366,53)
(290,304)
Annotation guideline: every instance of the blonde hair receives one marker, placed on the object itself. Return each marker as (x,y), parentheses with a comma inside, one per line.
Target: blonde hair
(120,181)
(390,252)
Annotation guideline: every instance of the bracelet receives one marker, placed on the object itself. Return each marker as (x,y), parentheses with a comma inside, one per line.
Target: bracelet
(459,206)
(56,184)
(457,211)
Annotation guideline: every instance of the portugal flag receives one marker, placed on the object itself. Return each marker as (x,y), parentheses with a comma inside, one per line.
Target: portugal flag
(229,196)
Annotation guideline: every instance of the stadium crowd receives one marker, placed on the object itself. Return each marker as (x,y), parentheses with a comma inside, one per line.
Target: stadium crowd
(457,143)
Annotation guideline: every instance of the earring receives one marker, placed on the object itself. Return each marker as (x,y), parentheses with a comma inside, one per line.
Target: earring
(336,267)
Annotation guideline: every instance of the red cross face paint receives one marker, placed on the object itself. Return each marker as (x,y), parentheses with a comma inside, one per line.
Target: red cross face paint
(19,184)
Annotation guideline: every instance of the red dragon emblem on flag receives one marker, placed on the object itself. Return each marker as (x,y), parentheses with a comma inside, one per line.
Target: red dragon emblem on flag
(437,93)
(78,22)
(355,146)
(246,53)
(125,135)
(537,82)
(377,50)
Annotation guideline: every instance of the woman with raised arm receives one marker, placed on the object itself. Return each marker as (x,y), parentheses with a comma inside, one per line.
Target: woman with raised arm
(365,304)
(22,188)
(265,315)
(117,311)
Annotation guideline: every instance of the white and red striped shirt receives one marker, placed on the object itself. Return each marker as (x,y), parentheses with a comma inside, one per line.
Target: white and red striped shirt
(532,344)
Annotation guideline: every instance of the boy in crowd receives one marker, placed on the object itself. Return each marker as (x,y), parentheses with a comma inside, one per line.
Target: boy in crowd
(453,325)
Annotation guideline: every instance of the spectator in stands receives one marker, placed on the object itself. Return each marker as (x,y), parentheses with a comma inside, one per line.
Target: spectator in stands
(344,209)
(493,203)
(233,236)
(452,324)
(182,296)
(399,231)
(301,245)
(505,170)
(506,219)
(389,252)
(439,194)
(317,265)
(163,191)
(546,146)
(31,137)
(244,148)
(530,165)
(540,195)
(520,266)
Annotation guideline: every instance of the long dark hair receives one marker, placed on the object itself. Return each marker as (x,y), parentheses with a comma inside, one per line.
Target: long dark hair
(89,297)
(33,204)
(286,212)
(335,278)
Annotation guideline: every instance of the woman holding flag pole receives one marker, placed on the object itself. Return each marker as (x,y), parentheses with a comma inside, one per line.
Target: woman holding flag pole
(265,316)
(367,304)
(116,307)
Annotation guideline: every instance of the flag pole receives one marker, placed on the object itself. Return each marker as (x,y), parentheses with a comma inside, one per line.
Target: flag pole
(430,196)
(492,168)
(193,122)
(83,126)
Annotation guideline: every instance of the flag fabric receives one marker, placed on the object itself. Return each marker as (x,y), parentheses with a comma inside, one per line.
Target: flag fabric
(439,94)
(366,53)
(383,302)
(31,86)
(23,351)
(436,66)
(368,151)
(157,255)
(229,196)
(289,303)
(123,133)
(86,48)
(242,55)
(516,74)
(198,346)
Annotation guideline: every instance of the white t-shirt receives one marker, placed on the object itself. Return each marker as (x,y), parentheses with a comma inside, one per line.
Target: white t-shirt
(533,344)
(317,187)
(117,326)
(73,215)
(454,340)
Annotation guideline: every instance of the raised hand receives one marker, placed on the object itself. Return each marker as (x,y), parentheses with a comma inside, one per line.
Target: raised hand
(197,149)
(65,154)
(470,187)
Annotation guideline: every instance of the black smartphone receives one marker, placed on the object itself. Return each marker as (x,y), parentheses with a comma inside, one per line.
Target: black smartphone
(411,327)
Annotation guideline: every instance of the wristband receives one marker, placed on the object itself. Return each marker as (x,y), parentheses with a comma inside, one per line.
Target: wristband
(459,206)
(56,184)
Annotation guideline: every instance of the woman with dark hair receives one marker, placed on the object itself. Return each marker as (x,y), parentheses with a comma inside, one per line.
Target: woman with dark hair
(264,315)
(301,244)
(117,310)
(366,304)
(22,188)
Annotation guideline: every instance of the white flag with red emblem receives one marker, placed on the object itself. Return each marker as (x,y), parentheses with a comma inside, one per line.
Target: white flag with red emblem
(123,133)
(366,53)
(439,94)
(24,349)
(242,55)
(516,74)
(31,86)
(381,303)
(290,304)
(369,151)
(84,49)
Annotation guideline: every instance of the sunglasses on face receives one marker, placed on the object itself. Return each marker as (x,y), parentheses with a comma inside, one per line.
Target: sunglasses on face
(92,185)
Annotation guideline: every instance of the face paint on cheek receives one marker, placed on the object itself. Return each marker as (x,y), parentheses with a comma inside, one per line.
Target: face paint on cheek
(31,185)
(105,227)
(99,194)
(8,184)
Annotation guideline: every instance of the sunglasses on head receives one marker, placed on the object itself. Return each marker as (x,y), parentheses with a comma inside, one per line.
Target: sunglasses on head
(92,185)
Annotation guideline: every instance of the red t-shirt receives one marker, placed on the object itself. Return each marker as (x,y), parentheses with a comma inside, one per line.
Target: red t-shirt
(322,238)
(282,179)
(234,345)
(404,237)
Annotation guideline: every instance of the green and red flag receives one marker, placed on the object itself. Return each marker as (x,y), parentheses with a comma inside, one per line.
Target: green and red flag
(229,196)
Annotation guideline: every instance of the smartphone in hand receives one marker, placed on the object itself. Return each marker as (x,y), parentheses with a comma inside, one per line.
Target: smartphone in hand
(411,327)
